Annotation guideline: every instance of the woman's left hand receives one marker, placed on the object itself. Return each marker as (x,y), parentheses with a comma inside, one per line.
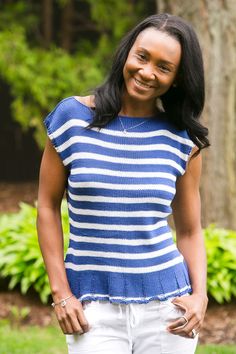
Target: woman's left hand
(194,307)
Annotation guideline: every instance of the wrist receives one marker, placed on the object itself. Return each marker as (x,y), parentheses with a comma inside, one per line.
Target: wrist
(63,301)
(202,294)
(60,293)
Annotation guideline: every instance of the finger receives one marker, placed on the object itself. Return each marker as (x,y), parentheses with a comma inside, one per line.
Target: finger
(61,320)
(63,328)
(76,325)
(83,321)
(179,303)
(180,323)
(67,325)
(187,330)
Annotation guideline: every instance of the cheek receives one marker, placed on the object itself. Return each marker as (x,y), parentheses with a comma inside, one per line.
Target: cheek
(166,80)
(129,68)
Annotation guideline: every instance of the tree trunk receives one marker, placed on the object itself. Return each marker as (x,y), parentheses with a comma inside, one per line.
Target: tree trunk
(47,21)
(214,22)
(67,21)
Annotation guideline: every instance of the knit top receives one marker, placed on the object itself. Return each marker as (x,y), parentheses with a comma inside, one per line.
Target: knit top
(119,192)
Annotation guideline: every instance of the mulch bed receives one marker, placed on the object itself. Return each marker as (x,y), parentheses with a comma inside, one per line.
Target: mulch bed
(13,193)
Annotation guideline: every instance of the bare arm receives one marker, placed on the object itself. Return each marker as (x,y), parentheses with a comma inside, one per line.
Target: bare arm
(52,182)
(187,217)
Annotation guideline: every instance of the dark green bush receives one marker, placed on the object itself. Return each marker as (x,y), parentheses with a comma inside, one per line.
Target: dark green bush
(21,261)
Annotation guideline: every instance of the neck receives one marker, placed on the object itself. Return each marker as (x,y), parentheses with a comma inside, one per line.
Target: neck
(137,109)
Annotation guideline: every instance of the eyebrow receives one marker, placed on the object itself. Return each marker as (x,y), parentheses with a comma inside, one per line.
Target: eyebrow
(163,60)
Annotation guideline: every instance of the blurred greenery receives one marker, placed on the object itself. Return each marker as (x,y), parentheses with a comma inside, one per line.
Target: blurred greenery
(39,74)
(221,256)
(216,349)
(20,258)
(22,264)
(31,339)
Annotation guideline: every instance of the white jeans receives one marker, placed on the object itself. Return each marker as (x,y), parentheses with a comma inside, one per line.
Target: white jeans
(130,329)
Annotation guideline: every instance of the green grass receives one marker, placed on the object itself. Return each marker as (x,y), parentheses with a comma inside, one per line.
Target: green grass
(216,349)
(31,340)
(50,340)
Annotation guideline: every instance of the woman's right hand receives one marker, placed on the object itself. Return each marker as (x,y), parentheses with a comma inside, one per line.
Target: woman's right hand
(71,317)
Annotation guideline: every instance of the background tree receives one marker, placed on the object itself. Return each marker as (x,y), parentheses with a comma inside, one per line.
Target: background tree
(214,22)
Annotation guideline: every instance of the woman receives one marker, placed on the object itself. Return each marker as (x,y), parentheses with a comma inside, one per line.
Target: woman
(129,156)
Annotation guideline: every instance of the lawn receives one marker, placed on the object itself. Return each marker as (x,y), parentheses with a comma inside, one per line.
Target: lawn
(31,340)
(49,340)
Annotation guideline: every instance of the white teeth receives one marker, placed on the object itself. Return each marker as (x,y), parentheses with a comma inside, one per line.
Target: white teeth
(142,84)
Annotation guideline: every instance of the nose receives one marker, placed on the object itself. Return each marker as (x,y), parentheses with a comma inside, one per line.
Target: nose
(147,73)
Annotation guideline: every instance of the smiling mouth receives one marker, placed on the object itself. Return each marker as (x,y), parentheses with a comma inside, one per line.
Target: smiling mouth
(142,84)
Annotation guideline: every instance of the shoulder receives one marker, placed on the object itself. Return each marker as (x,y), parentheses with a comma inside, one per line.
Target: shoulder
(88,101)
(68,108)
(73,103)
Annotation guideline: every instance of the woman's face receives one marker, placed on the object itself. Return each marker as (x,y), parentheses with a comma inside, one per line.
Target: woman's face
(151,66)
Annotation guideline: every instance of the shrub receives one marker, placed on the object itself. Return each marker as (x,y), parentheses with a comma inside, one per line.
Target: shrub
(221,257)
(20,257)
(21,260)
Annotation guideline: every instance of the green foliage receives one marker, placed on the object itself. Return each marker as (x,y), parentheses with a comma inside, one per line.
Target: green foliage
(17,315)
(20,257)
(38,78)
(221,255)
(21,13)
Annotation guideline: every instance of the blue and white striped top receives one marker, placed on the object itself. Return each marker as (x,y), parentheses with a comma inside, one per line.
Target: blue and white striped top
(119,193)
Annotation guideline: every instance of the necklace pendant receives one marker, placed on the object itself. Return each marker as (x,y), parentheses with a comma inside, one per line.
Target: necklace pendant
(125,131)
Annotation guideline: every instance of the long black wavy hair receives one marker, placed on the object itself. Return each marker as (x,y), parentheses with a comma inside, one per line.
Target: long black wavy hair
(183,103)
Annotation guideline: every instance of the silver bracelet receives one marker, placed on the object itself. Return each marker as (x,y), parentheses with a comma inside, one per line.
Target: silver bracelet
(62,302)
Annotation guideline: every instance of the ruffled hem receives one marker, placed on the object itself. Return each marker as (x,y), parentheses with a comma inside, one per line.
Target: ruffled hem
(126,302)
(130,288)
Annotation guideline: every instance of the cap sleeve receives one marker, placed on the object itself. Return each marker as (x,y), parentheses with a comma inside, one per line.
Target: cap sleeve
(57,125)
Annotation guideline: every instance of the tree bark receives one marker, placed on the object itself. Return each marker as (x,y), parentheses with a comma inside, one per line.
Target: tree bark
(47,22)
(67,26)
(214,22)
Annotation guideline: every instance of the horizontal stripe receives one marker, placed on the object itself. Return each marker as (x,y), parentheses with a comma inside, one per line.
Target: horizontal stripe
(113,159)
(116,227)
(160,132)
(102,247)
(122,241)
(101,199)
(151,134)
(120,255)
(116,213)
(136,270)
(124,147)
(67,125)
(136,187)
(136,299)
(137,174)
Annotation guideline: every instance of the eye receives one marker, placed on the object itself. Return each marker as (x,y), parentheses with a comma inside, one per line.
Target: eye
(164,68)
(141,56)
